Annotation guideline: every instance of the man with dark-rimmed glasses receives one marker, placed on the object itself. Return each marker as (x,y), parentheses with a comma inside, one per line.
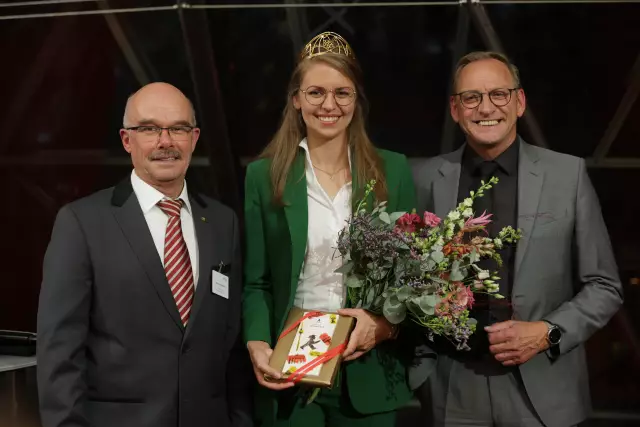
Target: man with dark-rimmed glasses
(526,366)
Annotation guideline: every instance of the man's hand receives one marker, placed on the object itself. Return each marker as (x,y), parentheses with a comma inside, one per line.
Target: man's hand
(514,342)
(370,330)
(260,352)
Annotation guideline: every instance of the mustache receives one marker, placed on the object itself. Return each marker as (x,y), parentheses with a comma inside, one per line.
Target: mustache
(165,154)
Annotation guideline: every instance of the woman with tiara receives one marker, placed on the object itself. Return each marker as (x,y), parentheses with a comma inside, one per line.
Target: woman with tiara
(299,195)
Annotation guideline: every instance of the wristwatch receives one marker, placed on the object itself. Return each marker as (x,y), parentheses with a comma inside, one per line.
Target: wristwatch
(554,334)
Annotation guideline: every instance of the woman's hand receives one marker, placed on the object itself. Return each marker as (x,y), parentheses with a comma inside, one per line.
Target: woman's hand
(260,352)
(370,330)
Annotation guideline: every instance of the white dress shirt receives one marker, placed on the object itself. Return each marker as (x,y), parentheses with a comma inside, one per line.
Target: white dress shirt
(148,198)
(319,287)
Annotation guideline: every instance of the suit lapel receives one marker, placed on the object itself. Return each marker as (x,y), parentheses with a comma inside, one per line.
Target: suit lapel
(530,180)
(445,189)
(210,255)
(128,214)
(296,212)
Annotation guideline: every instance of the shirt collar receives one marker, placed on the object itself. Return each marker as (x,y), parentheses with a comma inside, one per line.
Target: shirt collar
(148,197)
(305,145)
(507,160)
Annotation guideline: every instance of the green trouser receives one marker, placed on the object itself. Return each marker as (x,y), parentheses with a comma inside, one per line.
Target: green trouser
(330,408)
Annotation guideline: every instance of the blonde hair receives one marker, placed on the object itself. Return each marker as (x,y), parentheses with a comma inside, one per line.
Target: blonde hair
(283,148)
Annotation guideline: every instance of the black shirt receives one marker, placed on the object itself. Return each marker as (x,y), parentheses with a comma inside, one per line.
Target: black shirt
(502,202)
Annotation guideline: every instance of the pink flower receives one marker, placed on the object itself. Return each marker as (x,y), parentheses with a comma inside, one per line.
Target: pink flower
(431,219)
(409,223)
(461,295)
(470,298)
(480,221)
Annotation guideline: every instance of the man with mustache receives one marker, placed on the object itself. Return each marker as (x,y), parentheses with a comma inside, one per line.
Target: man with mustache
(139,315)
(527,365)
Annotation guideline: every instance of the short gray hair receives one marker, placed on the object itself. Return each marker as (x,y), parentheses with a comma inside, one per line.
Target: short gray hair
(482,55)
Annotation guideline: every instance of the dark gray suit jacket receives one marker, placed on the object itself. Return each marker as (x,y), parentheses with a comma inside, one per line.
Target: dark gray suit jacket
(112,351)
(565,271)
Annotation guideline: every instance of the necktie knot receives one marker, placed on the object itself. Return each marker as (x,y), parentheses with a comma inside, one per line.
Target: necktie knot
(171,207)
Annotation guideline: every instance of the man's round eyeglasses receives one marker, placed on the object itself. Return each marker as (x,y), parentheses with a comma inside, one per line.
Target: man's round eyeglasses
(316,95)
(472,98)
(177,133)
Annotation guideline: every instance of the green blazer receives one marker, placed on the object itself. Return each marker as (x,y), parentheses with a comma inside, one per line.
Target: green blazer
(276,245)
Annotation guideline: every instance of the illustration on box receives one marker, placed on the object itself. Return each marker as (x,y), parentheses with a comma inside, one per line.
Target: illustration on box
(313,339)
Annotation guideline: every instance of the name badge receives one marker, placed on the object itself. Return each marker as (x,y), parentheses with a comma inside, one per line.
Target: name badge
(219,284)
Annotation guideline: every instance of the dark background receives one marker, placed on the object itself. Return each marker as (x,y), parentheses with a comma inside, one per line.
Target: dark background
(66,70)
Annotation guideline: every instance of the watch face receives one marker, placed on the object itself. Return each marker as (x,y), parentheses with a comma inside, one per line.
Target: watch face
(554,335)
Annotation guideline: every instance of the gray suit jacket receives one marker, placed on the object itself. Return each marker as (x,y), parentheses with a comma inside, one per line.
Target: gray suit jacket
(112,351)
(565,271)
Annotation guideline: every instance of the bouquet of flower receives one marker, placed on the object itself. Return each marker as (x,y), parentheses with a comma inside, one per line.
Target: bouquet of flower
(419,267)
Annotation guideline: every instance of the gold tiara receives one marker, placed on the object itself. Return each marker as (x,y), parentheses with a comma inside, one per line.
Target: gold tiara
(327,42)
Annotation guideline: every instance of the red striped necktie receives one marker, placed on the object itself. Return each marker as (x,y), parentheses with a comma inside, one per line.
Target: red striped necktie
(177,264)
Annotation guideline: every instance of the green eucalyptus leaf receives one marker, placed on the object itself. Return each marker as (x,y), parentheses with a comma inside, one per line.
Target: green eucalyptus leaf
(368,298)
(354,281)
(456,275)
(394,311)
(428,265)
(427,304)
(404,293)
(395,216)
(384,217)
(437,256)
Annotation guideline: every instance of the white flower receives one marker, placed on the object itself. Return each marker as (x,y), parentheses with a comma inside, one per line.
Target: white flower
(483,274)
(468,202)
(498,243)
(467,212)
(492,286)
(454,215)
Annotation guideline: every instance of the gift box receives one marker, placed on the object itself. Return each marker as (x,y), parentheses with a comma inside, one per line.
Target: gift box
(309,350)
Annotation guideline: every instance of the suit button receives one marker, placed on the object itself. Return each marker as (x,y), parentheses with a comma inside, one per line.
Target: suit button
(186,349)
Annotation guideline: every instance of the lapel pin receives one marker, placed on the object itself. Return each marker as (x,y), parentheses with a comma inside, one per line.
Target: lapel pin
(203,219)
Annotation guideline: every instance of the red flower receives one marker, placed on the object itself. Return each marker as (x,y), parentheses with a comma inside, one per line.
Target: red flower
(409,223)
